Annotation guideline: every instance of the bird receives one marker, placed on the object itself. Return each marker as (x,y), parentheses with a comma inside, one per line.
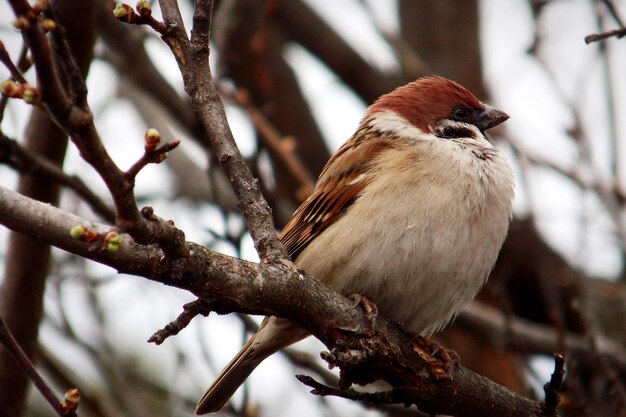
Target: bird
(411,213)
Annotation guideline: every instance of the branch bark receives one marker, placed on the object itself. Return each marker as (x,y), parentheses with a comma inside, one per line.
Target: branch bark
(192,57)
(228,284)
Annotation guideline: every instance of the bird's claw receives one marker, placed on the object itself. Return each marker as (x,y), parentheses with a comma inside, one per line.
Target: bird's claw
(441,361)
(371,311)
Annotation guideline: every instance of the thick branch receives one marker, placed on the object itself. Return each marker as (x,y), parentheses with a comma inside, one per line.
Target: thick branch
(229,284)
(531,337)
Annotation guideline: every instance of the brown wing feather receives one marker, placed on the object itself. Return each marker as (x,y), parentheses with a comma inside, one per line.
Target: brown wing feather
(323,208)
(338,187)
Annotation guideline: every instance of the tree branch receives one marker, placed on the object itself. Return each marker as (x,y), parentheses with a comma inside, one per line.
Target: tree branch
(229,284)
(73,115)
(30,163)
(7,340)
(595,37)
(531,337)
(193,62)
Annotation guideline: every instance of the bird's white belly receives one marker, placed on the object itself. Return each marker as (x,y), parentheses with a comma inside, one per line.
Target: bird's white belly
(421,262)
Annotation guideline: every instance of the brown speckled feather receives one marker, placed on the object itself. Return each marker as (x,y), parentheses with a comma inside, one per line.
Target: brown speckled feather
(338,187)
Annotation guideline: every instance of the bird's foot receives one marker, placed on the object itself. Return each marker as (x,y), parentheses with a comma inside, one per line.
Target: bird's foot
(441,361)
(371,311)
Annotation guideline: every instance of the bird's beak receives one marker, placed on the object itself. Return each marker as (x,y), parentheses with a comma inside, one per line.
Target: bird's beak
(490,117)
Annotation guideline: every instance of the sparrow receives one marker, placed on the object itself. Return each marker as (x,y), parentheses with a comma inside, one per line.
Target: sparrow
(411,213)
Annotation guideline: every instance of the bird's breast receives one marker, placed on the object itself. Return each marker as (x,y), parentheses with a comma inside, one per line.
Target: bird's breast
(420,242)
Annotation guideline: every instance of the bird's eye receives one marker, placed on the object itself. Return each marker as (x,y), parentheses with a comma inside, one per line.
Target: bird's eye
(460,113)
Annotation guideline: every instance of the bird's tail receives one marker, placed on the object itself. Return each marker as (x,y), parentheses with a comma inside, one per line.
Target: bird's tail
(273,334)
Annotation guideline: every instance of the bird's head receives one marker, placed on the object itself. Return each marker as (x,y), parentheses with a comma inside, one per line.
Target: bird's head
(432,105)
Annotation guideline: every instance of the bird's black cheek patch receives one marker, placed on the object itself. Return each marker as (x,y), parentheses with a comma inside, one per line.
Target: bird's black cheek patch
(454,132)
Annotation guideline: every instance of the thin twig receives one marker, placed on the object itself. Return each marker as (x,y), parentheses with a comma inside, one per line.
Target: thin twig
(410,61)
(593,341)
(612,197)
(553,387)
(75,81)
(385,397)
(24,162)
(7,340)
(190,310)
(618,33)
(274,139)
(125,13)
(615,154)
(22,65)
(150,157)
(47,78)
(5,58)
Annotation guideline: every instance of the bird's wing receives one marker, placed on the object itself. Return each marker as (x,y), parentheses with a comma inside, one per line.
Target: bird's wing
(338,187)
